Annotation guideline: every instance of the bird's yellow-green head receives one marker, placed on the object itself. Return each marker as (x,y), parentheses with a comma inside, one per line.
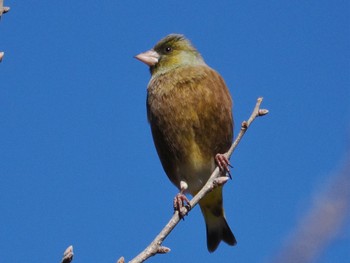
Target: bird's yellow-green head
(171,52)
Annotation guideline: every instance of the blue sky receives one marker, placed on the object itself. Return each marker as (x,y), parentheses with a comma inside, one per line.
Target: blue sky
(77,161)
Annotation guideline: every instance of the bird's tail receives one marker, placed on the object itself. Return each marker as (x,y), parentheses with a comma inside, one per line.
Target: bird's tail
(217,227)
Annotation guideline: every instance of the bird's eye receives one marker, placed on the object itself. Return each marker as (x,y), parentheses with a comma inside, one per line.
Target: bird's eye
(168,49)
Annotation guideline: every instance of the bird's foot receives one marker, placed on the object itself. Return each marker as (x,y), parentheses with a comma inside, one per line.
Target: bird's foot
(180,202)
(223,163)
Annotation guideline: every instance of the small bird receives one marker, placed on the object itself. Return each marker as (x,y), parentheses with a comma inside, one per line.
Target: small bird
(189,109)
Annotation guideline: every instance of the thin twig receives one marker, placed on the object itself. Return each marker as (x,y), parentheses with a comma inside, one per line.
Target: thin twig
(68,255)
(323,222)
(156,245)
(3,9)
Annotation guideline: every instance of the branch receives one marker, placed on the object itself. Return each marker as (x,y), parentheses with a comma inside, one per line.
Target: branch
(68,255)
(3,9)
(215,179)
(156,245)
(322,224)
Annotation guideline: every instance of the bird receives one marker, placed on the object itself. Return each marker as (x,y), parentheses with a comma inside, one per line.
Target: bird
(189,109)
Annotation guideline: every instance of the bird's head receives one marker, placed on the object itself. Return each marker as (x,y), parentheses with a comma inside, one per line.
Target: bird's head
(171,52)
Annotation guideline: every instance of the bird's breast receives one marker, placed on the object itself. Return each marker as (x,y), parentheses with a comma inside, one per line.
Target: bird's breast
(184,113)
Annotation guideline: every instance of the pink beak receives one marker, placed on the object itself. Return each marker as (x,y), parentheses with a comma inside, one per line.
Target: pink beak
(149,57)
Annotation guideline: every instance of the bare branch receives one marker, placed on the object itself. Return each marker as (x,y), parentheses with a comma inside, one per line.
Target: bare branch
(3,9)
(68,255)
(322,222)
(214,180)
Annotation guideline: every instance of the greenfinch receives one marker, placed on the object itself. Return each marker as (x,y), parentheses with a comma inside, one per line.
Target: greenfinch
(189,109)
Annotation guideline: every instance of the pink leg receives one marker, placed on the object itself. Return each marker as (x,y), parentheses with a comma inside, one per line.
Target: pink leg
(223,163)
(180,200)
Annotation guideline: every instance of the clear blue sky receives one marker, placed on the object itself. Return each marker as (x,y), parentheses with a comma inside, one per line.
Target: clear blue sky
(77,161)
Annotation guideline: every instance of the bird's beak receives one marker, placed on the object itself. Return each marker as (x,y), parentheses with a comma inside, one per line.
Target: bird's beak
(149,57)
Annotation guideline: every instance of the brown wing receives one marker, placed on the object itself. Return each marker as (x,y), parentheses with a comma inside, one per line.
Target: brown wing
(214,108)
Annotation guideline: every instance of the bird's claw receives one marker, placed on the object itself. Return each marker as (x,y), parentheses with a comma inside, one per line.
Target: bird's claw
(223,163)
(180,201)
